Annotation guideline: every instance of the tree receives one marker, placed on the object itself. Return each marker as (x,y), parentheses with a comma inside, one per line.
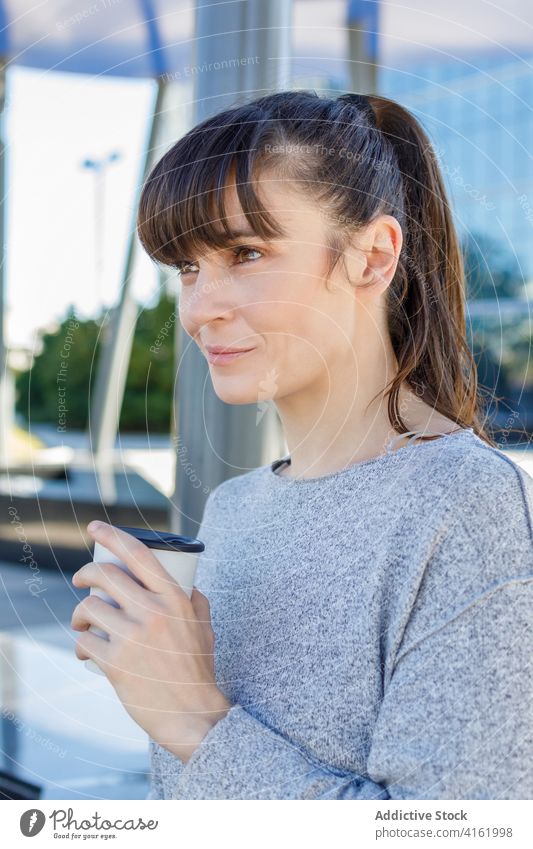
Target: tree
(63,373)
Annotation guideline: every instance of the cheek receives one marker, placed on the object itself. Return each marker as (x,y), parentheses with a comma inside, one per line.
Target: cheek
(300,349)
(310,336)
(184,316)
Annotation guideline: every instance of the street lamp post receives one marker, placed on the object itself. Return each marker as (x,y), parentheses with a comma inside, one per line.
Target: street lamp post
(108,392)
(99,168)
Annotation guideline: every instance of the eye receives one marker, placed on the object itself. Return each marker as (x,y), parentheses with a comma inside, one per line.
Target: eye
(184,266)
(245,249)
(189,266)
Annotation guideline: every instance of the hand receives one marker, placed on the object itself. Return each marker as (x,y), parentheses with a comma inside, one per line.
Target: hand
(159,656)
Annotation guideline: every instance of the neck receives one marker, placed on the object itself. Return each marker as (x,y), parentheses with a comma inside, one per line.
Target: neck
(332,424)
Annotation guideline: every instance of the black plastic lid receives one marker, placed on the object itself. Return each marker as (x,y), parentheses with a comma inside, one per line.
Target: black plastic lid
(163,540)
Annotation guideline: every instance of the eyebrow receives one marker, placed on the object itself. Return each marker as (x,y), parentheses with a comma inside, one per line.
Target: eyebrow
(238,233)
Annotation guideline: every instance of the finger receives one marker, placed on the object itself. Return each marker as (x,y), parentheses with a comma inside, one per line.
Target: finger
(114,581)
(91,647)
(135,554)
(201,606)
(95,611)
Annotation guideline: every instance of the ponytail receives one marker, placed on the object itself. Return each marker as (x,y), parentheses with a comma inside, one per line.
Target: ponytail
(426,298)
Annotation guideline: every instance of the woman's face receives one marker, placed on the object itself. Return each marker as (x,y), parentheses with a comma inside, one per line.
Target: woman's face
(272,298)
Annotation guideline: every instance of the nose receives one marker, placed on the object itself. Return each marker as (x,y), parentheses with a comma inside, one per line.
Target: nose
(211,298)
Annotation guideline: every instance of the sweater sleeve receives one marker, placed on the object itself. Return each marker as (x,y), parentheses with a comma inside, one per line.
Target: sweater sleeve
(159,774)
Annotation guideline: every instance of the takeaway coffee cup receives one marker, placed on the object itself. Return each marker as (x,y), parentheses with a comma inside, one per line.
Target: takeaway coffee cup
(177,554)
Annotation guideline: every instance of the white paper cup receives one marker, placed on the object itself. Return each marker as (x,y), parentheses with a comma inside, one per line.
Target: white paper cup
(177,554)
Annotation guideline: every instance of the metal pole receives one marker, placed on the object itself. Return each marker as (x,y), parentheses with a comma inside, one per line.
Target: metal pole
(362,28)
(106,401)
(6,402)
(99,207)
(214,440)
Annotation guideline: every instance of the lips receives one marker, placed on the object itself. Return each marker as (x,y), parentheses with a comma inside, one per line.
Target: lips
(220,349)
(227,356)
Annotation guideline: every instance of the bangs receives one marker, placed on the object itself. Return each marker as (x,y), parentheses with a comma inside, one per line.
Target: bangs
(182,209)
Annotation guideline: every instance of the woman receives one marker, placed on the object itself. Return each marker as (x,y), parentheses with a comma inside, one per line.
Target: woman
(363,626)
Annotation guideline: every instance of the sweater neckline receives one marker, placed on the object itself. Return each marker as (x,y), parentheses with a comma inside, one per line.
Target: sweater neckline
(353,467)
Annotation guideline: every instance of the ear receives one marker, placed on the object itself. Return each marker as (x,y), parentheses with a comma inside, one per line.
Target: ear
(373,258)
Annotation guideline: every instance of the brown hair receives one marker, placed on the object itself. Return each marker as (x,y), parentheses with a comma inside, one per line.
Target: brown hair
(358,157)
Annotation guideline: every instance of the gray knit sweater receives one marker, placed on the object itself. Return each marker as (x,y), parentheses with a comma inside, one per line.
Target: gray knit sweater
(373,631)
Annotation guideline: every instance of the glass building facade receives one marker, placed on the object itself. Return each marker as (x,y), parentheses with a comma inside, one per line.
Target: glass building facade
(479,118)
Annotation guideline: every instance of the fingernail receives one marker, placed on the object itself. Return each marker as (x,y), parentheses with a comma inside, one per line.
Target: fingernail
(93,526)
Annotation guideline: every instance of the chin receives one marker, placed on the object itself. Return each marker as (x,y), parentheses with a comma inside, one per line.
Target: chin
(238,393)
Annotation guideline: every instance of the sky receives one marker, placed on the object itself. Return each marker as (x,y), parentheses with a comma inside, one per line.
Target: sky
(54,122)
